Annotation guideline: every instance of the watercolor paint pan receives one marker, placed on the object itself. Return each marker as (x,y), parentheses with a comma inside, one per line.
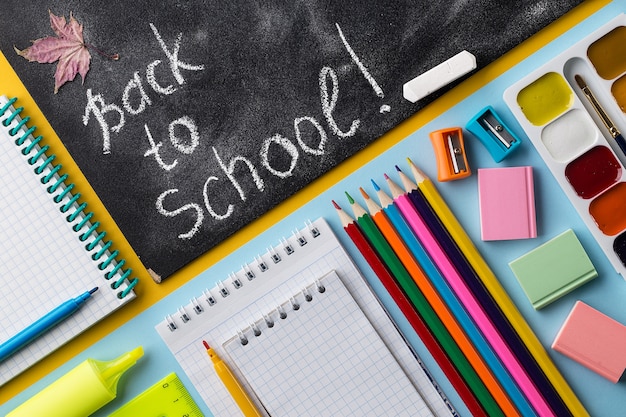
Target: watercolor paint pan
(576,137)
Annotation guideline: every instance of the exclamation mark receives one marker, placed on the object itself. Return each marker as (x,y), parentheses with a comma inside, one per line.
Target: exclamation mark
(370,79)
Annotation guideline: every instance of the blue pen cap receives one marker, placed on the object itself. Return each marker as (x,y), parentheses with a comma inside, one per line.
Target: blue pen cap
(489,128)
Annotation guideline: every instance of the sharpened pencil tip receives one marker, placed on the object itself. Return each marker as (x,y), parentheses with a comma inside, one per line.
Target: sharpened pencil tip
(418,175)
(398,168)
(350,199)
(376,187)
(363,193)
(336,205)
(386,176)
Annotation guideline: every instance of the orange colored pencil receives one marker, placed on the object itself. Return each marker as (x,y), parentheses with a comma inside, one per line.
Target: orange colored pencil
(439,306)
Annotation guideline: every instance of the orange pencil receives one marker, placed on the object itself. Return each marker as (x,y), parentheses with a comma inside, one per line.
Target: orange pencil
(439,306)
(243,400)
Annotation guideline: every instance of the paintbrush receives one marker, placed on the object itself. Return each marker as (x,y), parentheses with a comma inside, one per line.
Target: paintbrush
(606,120)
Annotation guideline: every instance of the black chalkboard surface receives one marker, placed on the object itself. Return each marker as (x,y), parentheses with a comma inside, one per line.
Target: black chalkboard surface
(218,110)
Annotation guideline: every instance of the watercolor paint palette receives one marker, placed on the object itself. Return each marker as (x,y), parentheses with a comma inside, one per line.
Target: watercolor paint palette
(572,109)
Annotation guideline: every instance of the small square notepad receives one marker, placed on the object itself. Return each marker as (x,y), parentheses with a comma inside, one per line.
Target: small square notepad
(506,198)
(553,269)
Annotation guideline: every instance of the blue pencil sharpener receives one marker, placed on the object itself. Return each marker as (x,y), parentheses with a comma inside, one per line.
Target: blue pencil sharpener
(499,140)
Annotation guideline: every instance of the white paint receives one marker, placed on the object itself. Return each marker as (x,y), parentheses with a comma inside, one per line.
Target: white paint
(379,91)
(154,150)
(92,107)
(151,78)
(207,204)
(172,56)
(230,169)
(194,136)
(135,83)
(288,146)
(323,137)
(186,207)
(328,104)
(569,135)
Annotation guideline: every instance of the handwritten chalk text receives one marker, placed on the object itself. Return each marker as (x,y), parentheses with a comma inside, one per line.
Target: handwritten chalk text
(97,106)
(183,135)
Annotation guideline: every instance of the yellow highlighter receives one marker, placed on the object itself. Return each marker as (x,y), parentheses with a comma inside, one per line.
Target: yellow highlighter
(81,391)
(232,385)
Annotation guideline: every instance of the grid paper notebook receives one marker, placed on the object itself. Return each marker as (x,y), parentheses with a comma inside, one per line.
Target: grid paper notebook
(319,344)
(307,255)
(50,251)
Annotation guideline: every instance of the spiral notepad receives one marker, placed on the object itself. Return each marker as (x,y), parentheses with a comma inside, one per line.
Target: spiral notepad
(260,286)
(319,344)
(51,248)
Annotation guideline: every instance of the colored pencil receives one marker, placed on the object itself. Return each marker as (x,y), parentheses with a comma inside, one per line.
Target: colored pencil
(438,305)
(433,322)
(483,296)
(498,293)
(468,299)
(405,306)
(433,274)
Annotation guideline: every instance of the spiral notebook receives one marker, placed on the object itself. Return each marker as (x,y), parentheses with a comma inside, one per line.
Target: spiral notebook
(316,345)
(260,286)
(51,248)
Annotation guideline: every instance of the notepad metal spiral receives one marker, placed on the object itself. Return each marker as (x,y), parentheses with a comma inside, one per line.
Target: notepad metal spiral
(76,212)
(280,312)
(233,283)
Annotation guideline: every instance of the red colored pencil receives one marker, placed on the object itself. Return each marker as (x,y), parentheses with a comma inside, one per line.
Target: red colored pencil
(377,265)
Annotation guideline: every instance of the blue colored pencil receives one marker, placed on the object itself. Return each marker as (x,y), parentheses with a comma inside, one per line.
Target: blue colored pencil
(472,280)
(416,248)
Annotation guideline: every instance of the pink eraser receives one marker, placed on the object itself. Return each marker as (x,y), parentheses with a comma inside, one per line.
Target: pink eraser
(506,198)
(595,340)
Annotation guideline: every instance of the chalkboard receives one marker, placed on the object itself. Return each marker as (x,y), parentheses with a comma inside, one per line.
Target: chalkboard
(216,111)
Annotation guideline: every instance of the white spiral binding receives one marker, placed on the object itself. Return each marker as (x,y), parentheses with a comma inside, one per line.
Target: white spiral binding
(281,312)
(237,280)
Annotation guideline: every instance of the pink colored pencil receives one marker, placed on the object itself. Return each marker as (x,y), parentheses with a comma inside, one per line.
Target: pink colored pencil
(467,298)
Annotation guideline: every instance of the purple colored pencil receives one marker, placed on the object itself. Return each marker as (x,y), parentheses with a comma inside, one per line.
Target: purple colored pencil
(482,295)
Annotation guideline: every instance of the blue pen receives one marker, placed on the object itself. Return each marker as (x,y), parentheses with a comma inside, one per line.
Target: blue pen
(42,325)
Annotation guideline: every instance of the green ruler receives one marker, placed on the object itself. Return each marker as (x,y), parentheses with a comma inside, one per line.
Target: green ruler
(166,398)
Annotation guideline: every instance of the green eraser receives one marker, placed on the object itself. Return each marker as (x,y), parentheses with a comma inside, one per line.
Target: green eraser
(553,269)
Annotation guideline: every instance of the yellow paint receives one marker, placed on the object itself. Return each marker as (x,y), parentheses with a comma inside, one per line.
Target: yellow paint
(607,53)
(545,98)
(618,89)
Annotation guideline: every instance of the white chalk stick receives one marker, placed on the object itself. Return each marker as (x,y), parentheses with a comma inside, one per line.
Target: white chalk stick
(439,76)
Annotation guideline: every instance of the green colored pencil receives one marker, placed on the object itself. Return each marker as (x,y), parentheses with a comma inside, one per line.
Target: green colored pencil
(424,309)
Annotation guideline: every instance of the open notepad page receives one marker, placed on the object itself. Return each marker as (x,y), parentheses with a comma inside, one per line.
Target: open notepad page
(317,354)
(42,261)
(236,301)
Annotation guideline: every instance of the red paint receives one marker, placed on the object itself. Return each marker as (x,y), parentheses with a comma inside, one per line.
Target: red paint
(593,172)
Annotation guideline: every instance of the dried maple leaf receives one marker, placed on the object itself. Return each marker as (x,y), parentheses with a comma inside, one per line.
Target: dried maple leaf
(67,47)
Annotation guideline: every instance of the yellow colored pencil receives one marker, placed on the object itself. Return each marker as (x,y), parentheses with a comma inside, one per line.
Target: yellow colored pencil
(497,292)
